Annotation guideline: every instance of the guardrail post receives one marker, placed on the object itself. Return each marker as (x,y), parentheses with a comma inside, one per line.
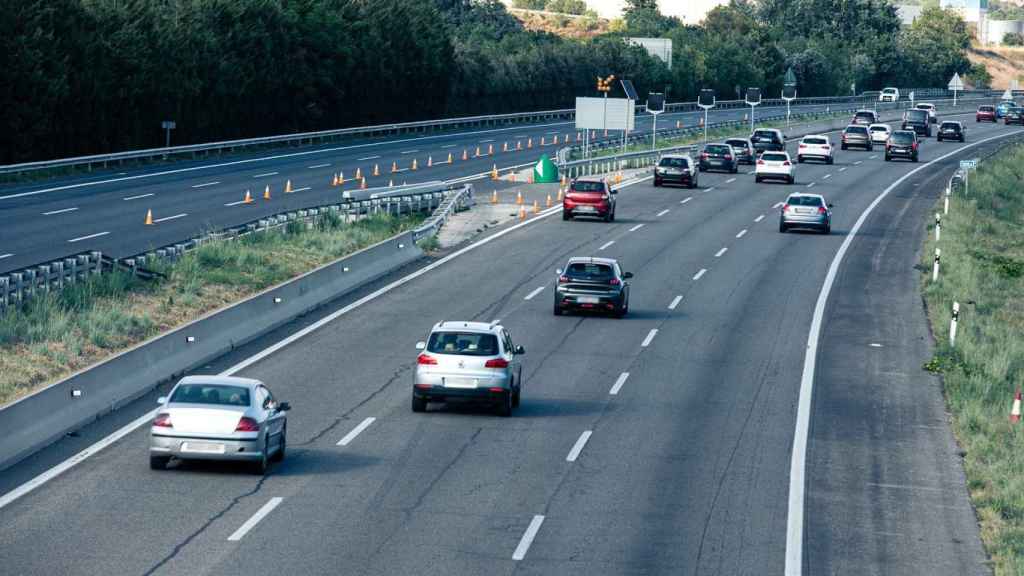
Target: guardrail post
(5,291)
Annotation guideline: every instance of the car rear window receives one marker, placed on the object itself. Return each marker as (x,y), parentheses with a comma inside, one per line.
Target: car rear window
(463,343)
(742,144)
(856,130)
(947,125)
(986,108)
(870,115)
(878,128)
(773,157)
(588,186)
(215,394)
(924,106)
(589,271)
(804,201)
(764,134)
(810,140)
(674,162)
(917,115)
(718,149)
(902,138)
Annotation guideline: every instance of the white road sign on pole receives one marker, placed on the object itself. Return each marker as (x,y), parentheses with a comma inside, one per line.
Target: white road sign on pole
(1007,95)
(955,84)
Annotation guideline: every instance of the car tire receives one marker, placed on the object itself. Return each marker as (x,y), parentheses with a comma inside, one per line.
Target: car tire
(791,180)
(735,169)
(158,462)
(782,227)
(842,146)
(939,138)
(830,161)
(557,309)
(279,455)
(914,158)
(516,396)
(963,139)
(693,184)
(827,229)
(888,158)
(419,404)
(504,406)
(657,183)
(566,215)
(622,310)
(260,466)
(700,168)
(799,159)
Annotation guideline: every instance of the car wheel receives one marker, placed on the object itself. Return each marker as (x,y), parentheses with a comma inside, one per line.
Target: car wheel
(963,139)
(419,404)
(516,396)
(791,180)
(158,462)
(888,158)
(279,455)
(842,146)
(939,138)
(622,310)
(799,159)
(557,309)
(566,215)
(735,168)
(915,158)
(870,148)
(700,168)
(757,179)
(830,160)
(504,407)
(828,229)
(657,183)
(260,466)
(782,227)
(693,184)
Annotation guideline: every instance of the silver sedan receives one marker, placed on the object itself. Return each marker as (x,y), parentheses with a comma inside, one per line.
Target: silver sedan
(219,418)
(806,211)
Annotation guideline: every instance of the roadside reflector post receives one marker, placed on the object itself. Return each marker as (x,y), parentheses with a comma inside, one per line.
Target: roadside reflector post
(945,209)
(935,267)
(938,226)
(952,324)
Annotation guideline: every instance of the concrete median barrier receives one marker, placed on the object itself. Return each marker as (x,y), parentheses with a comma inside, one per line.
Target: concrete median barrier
(47,415)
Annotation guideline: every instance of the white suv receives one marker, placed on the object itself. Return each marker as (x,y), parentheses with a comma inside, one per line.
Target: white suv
(889,95)
(775,165)
(817,146)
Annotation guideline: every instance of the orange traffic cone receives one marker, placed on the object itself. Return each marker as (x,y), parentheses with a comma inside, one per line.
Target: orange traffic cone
(1015,410)
(679,123)
(414,167)
(504,147)
(490,149)
(248,198)
(149,218)
(376,169)
(391,183)
(543,142)
(288,187)
(560,193)
(555,141)
(362,184)
(465,154)
(494,197)
(548,203)
(477,155)
(335,182)
(359,173)
(266,193)
(565,179)
(394,167)
(519,197)
(341,178)
(536,207)
(494,172)
(512,177)
(529,142)
(450,158)
(605,132)
(522,212)
(519,144)
(430,161)
(700,122)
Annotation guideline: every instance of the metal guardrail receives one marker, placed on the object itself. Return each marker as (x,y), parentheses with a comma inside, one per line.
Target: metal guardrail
(310,138)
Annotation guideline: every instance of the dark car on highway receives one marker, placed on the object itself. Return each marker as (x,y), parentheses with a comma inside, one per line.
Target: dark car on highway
(675,169)
(985,113)
(594,284)
(902,144)
(951,130)
(856,135)
(1003,106)
(718,157)
(589,197)
(768,139)
(1013,115)
(917,120)
(864,117)
(744,150)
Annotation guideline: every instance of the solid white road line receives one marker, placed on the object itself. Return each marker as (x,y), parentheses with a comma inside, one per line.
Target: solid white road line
(663,212)
(265,175)
(356,431)
(811,185)
(873,157)
(606,244)
(742,233)
(98,446)
(635,228)
(51,213)
(675,302)
(843,169)
(367,158)
(449,146)
(315,166)
(252,522)
(699,274)
(139,196)
(730,180)
(685,200)
(709,189)
(618,383)
(2,256)
(536,291)
(720,252)
(826,176)
(649,338)
(527,539)
(488,140)
(166,218)
(89,237)
(797,468)
(301,189)
(205,184)
(578,446)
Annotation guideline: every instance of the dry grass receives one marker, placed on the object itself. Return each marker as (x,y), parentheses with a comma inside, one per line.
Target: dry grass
(1004,63)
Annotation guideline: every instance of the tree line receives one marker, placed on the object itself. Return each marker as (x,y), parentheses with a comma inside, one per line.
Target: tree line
(95,76)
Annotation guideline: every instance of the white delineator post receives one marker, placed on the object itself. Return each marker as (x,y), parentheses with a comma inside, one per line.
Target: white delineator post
(952,324)
(938,226)
(945,209)
(935,267)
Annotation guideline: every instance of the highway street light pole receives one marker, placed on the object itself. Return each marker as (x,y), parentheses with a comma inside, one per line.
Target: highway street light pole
(788,93)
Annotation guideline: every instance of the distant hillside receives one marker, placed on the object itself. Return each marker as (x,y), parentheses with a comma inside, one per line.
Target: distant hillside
(563,25)
(1003,63)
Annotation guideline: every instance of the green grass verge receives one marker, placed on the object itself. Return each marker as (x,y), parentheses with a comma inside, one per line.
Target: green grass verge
(57,334)
(983,268)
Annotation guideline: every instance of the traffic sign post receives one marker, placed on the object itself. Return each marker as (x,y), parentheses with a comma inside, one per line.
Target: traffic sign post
(627,87)
(168,125)
(706,100)
(655,105)
(966,166)
(788,92)
(753,99)
(955,84)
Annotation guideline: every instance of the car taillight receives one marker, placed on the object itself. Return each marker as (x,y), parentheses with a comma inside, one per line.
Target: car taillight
(563,279)
(703,154)
(614,282)
(785,207)
(426,359)
(760,162)
(496,363)
(246,424)
(728,157)
(914,145)
(821,209)
(826,146)
(786,163)
(163,420)
(802,145)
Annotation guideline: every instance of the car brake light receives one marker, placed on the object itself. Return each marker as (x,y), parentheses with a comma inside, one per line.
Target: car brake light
(914,145)
(802,145)
(163,420)
(563,279)
(614,282)
(703,154)
(786,163)
(426,359)
(785,207)
(821,209)
(760,162)
(496,363)
(246,424)
(728,157)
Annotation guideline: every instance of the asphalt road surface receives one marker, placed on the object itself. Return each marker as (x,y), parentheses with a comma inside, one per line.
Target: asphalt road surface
(656,444)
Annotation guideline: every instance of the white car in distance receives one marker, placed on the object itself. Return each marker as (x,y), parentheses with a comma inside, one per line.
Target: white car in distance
(889,95)
(931,111)
(774,166)
(815,146)
(880,132)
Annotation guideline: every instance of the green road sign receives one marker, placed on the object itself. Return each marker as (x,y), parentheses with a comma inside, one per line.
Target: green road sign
(790,79)
(545,171)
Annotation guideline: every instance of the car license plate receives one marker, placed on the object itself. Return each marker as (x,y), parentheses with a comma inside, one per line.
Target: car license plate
(460,382)
(588,299)
(585,209)
(202,447)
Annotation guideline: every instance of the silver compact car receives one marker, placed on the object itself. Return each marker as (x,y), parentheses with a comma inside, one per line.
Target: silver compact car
(468,361)
(806,211)
(219,418)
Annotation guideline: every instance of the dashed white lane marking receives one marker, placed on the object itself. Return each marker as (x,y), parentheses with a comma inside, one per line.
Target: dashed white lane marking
(709,189)
(699,274)
(742,233)
(578,446)
(720,252)
(205,184)
(635,228)
(730,180)
(409,151)
(356,431)
(449,146)
(663,212)
(649,338)
(235,203)
(89,237)
(301,189)
(528,536)
(606,244)
(536,291)
(843,169)
(811,185)
(858,162)
(255,519)
(873,157)
(685,200)
(315,166)
(759,218)
(166,218)
(875,345)
(367,158)
(139,196)
(487,141)
(618,383)
(2,256)
(826,176)
(675,302)
(267,174)
(52,212)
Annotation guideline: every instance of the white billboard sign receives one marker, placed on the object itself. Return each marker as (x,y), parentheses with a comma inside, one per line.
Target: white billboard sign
(605,113)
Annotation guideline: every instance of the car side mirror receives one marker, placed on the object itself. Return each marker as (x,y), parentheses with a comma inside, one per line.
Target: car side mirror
(627,275)
(831,205)
(519,350)
(421,345)
(558,271)
(284,407)
(613,191)
(161,400)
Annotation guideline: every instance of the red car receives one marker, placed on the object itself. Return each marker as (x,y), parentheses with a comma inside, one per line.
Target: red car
(589,197)
(986,113)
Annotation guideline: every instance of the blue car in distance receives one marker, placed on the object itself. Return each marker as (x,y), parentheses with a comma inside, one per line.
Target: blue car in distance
(1003,107)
